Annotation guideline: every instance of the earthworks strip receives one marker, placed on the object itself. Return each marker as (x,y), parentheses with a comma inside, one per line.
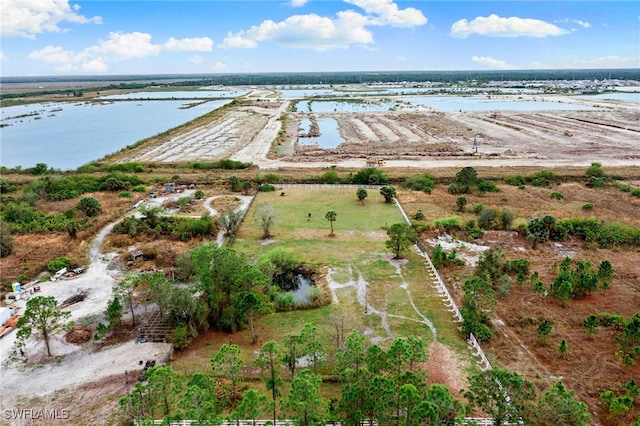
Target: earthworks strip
(363,129)
(401,128)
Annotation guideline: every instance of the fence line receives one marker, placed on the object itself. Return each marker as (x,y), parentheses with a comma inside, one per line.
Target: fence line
(326,185)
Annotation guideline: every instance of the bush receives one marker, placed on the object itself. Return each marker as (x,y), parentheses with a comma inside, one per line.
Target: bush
(484,186)
(486,218)
(330,177)
(515,181)
(370,176)
(418,215)
(556,196)
(140,188)
(265,187)
(124,194)
(587,207)
(198,195)
(424,183)
(448,224)
(90,206)
(59,263)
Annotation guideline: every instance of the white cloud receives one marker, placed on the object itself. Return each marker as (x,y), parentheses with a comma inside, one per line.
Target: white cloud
(306,31)
(321,33)
(492,63)
(20,18)
(583,24)
(298,3)
(118,47)
(495,26)
(386,12)
(202,44)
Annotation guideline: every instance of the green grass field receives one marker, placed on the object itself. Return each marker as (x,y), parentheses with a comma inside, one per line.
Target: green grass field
(358,247)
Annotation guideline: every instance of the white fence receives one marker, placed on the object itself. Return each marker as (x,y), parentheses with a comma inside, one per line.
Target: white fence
(442,290)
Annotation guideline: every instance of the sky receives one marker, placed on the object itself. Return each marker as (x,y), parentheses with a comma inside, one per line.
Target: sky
(122,37)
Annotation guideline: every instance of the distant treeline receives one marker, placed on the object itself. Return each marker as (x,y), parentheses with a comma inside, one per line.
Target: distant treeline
(288,78)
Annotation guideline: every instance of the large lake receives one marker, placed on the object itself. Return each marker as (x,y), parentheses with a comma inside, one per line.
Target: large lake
(68,135)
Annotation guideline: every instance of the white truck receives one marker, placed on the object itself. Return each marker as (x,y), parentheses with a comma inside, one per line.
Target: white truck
(59,274)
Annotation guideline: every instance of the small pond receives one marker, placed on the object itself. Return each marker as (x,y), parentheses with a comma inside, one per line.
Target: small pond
(305,291)
(329,133)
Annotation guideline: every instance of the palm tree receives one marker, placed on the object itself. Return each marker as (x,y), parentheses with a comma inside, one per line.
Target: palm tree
(331,217)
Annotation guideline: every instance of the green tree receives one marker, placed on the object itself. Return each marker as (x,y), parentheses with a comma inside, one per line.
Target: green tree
(605,273)
(246,187)
(89,206)
(488,390)
(331,217)
(251,304)
(401,236)
(461,202)
(544,331)
(442,407)
(199,401)
(269,363)
(227,363)
(305,402)
(42,319)
(72,228)
(6,240)
(379,399)
(199,194)
(591,324)
(234,182)
(163,385)
(563,348)
(361,193)
(558,406)
(252,406)
(313,348)
(229,222)
(114,312)
(389,193)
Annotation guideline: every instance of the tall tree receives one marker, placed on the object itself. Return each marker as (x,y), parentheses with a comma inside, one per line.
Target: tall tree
(305,402)
(199,401)
(313,347)
(379,399)
(489,390)
(251,304)
(269,363)
(162,385)
(252,406)
(42,319)
(331,217)
(401,236)
(227,363)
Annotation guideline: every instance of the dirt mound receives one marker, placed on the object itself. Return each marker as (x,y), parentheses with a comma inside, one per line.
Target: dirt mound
(78,335)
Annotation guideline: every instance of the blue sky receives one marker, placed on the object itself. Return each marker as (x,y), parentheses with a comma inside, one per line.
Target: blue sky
(65,37)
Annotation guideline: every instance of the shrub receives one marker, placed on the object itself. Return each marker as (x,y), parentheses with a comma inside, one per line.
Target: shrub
(330,177)
(59,263)
(90,206)
(140,188)
(486,218)
(265,187)
(506,218)
(198,194)
(272,178)
(124,194)
(596,182)
(461,202)
(556,196)
(448,224)
(424,183)
(370,176)
(484,186)
(587,207)
(418,215)
(515,181)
